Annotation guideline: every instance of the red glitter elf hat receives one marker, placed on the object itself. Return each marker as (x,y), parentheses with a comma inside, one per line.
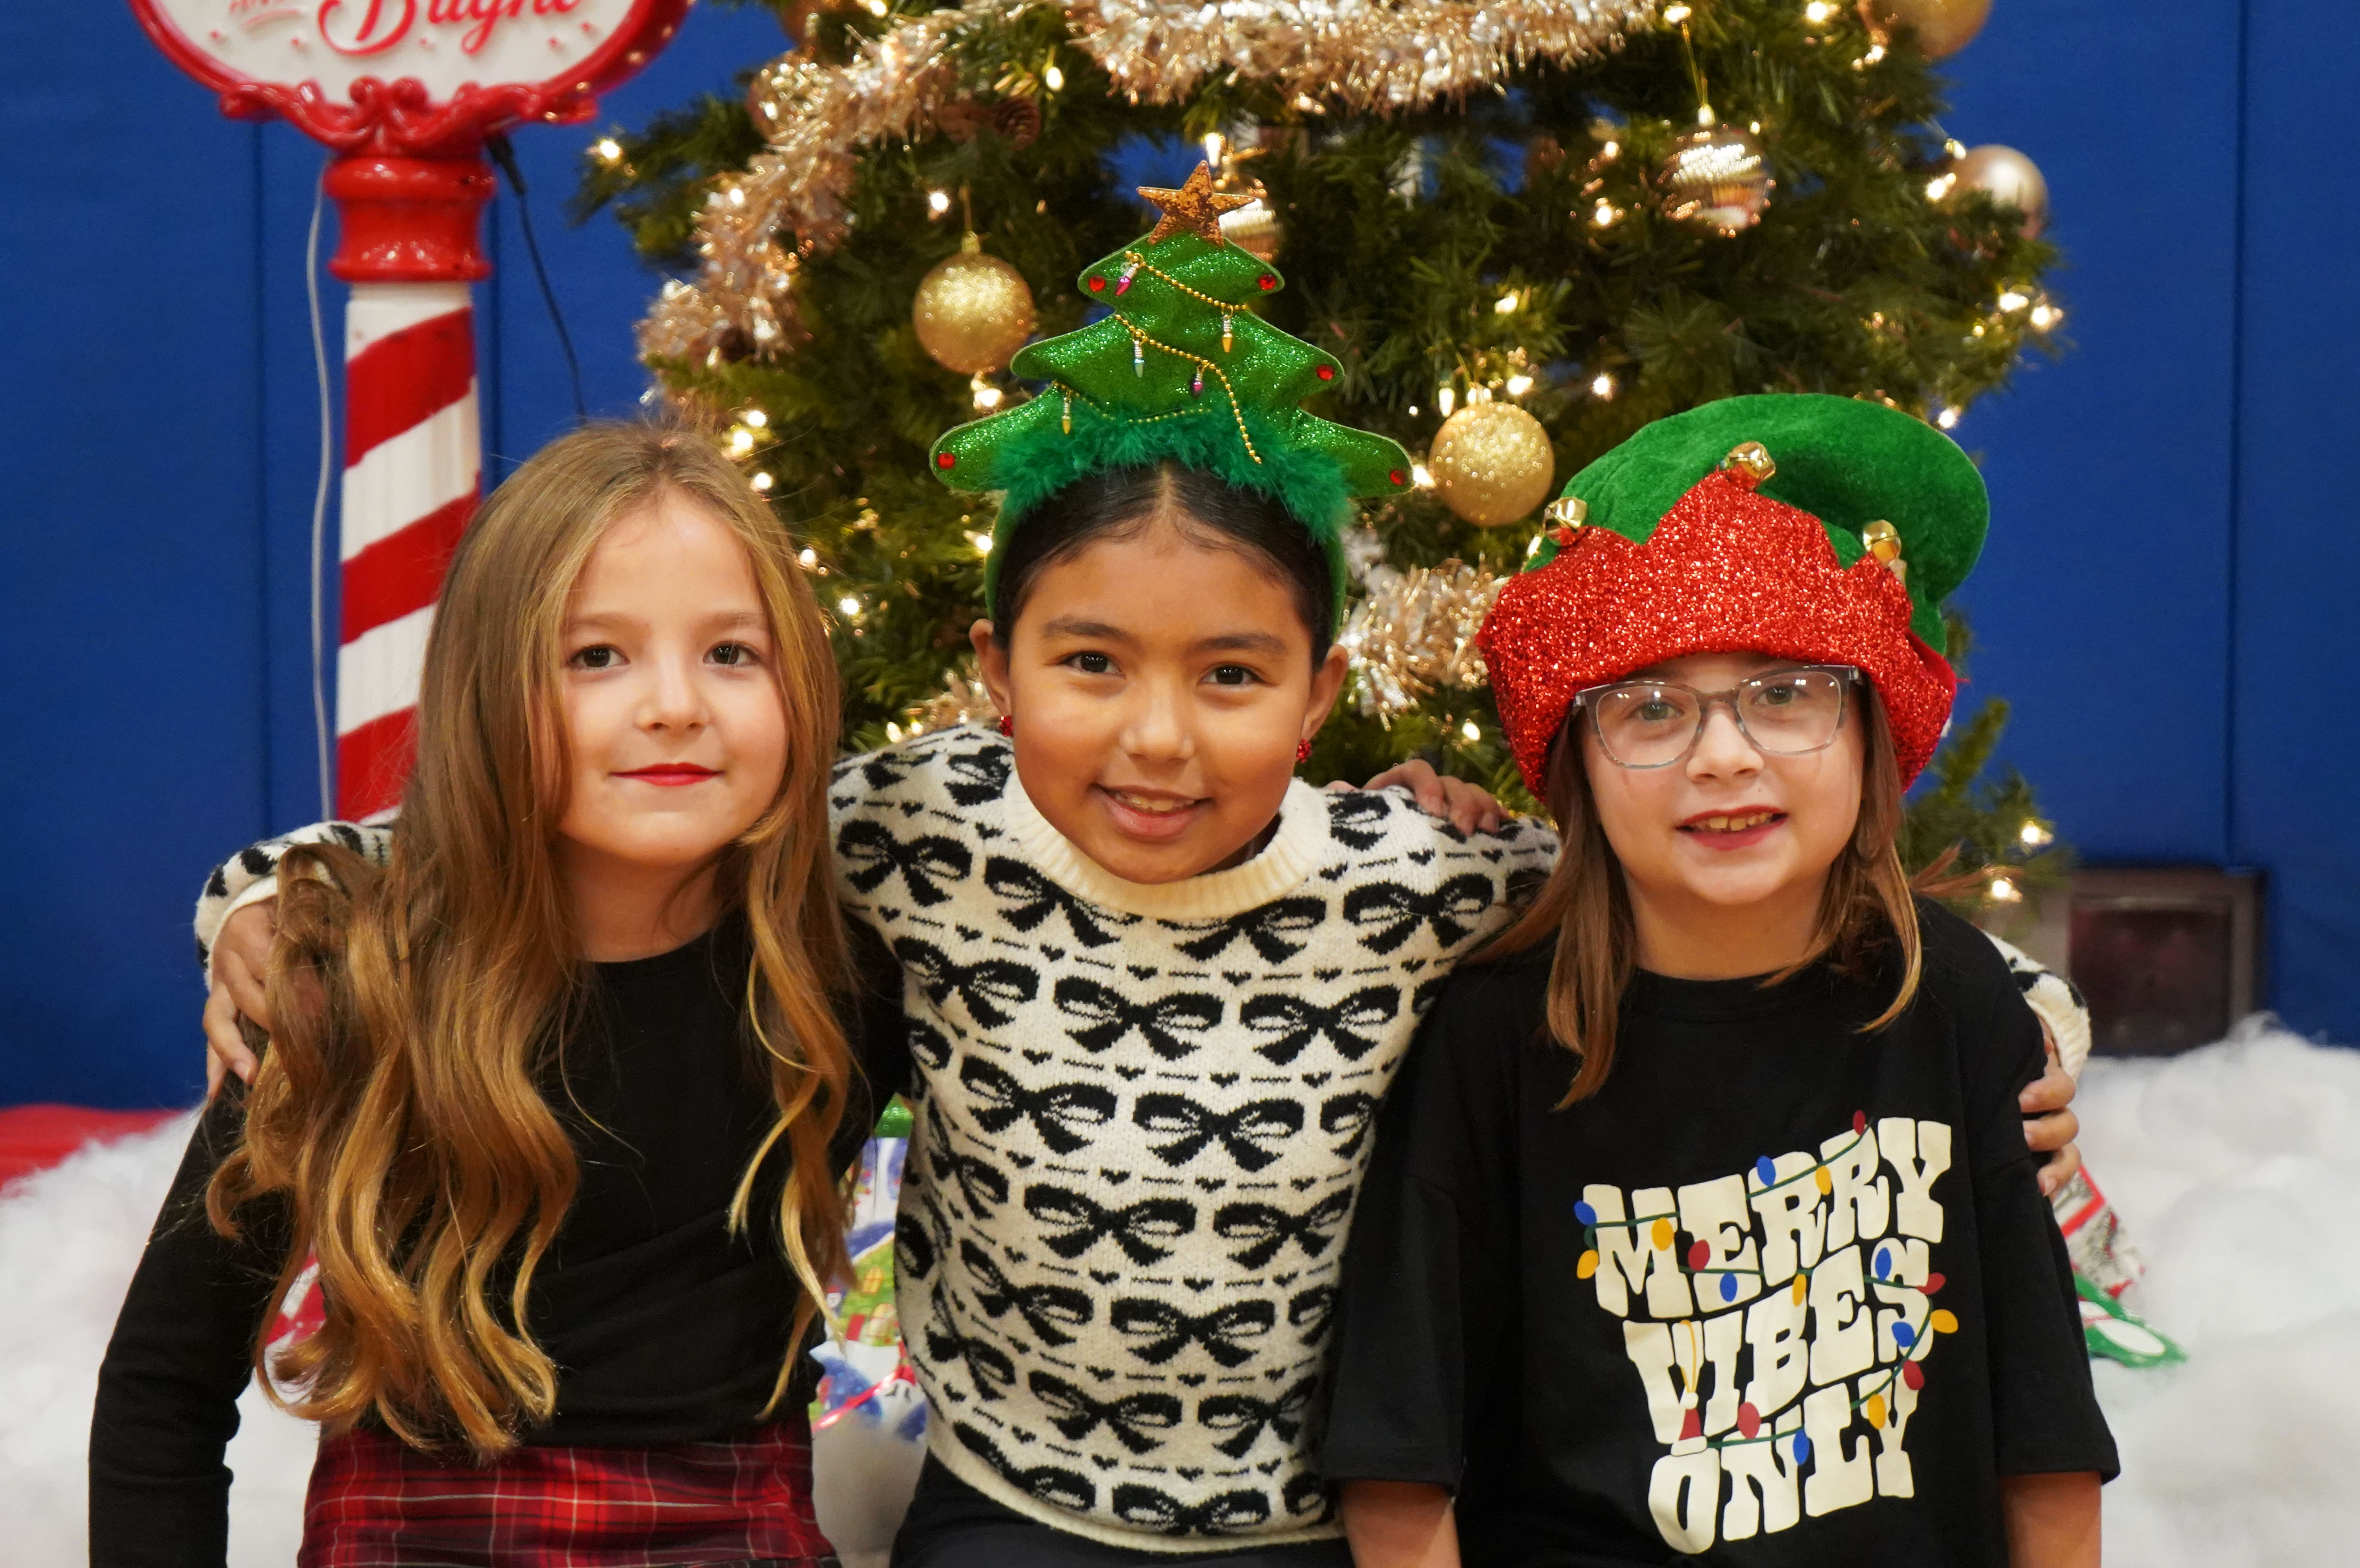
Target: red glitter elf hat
(1820,529)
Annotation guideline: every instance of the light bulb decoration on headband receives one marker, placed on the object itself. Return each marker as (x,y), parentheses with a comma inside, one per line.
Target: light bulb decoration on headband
(1180,370)
(1820,529)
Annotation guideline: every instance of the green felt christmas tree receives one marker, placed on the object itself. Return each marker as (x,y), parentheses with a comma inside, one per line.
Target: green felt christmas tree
(1179,369)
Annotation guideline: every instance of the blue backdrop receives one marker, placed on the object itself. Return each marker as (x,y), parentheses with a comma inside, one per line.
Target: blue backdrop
(2171,544)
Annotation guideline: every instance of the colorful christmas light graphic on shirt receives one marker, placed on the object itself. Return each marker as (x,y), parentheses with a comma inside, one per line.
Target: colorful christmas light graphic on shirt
(1783,1347)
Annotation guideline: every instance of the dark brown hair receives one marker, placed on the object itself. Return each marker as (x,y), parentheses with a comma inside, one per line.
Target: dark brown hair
(1123,503)
(1585,907)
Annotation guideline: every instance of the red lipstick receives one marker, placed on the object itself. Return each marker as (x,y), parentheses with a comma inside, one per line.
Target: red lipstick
(671,774)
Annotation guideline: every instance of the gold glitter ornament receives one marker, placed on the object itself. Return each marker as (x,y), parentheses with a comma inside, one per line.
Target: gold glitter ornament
(2008,178)
(1255,229)
(1943,26)
(973,311)
(1492,463)
(1716,178)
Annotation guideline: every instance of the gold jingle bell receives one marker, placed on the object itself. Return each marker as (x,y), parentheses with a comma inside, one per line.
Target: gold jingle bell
(1566,515)
(1749,464)
(1883,541)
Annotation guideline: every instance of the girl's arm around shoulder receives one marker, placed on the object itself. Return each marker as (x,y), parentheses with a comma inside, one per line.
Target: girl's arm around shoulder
(180,1357)
(251,875)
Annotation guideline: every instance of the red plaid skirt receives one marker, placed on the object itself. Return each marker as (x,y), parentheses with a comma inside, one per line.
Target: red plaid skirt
(377,1503)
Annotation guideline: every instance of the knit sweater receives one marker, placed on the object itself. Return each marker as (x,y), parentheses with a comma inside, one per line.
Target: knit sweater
(1142,1116)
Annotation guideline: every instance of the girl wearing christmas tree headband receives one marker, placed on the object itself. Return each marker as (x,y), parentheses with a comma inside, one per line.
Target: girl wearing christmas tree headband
(1727,1241)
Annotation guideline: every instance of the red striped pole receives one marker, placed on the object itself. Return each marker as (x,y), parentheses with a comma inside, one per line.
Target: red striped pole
(413,445)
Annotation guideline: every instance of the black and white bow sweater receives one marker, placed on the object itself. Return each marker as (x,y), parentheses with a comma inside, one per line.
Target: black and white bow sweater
(1142,1118)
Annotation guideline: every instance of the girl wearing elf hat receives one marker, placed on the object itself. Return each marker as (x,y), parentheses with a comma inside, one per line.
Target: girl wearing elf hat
(1724,1239)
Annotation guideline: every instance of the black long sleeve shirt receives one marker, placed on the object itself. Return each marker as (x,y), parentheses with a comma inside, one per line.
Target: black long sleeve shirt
(663,1327)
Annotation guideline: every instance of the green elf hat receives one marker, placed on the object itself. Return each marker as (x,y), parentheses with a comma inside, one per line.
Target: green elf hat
(1821,529)
(1181,371)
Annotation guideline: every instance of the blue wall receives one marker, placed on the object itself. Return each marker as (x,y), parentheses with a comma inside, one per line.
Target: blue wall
(2171,534)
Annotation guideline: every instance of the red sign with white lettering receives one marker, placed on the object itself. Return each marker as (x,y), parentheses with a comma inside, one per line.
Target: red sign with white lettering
(424,78)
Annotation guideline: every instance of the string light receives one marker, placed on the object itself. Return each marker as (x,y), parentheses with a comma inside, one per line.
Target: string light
(1519,384)
(1876,53)
(1472,731)
(1605,215)
(1420,477)
(2034,835)
(2013,300)
(1054,79)
(1445,400)
(982,542)
(1602,386)
(808,559)
(1506,305)
(609,150)
(2045,315)
(938,201)
(762,482)
(1213,149)
(754,417)
(1947,419)
(849,605)
(742,442)
(2003,890)
(987,396)
(1676,15)
(892,732)
(1818,11)
(1940,186)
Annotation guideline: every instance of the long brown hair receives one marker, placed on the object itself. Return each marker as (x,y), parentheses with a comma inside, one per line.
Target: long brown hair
(400,1108)
(1585,906)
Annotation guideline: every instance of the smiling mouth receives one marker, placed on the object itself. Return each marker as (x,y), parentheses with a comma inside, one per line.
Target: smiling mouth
(1152,805)
(1735,822)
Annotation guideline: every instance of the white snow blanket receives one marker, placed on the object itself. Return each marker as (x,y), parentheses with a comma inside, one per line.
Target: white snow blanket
(2236,1168)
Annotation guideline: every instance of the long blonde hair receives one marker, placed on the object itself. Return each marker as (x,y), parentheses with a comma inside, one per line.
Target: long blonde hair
(1585,905)
(400,1109)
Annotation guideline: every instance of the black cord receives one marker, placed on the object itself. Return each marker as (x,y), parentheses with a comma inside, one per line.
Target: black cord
(505,156)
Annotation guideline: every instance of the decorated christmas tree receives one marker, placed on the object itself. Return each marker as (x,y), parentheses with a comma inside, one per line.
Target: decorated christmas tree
(1517,232)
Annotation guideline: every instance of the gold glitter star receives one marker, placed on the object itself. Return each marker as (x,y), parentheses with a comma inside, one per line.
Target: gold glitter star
(1194,208)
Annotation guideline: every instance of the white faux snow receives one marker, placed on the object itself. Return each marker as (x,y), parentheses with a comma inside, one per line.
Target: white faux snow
(2236,1169)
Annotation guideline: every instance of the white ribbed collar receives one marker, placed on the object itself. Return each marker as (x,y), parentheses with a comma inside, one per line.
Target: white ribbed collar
(1292,853)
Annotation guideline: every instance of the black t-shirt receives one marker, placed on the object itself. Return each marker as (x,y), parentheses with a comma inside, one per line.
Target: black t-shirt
(663,1327)
(1782,1293)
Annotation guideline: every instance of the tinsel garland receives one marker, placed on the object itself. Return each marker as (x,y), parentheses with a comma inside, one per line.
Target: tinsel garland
(1367,58)
(1352,53)
(1415,633)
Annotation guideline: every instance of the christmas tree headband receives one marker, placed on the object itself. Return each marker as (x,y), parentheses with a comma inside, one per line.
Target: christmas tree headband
(1820,528)
(1181,371)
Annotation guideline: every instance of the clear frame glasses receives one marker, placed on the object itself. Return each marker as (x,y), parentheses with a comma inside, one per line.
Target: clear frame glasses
(1785,713)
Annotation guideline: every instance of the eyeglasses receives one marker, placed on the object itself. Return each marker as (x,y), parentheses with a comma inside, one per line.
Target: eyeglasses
(1785,713)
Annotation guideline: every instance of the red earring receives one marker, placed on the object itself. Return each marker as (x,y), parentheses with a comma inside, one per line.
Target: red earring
(1302,750)
(1007,725)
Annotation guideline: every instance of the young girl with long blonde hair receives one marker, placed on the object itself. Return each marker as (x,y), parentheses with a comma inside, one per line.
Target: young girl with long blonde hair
(1700,1223)
(557,1098)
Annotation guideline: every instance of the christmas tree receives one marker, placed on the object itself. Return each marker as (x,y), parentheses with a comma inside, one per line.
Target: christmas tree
(1516,233)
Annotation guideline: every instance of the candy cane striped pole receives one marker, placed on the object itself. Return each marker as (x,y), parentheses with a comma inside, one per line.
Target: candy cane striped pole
(413,444)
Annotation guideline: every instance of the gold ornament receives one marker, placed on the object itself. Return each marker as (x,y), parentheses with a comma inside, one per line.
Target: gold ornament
(1194,208)
(2008,178)
(1492,463)
(973,311)
(1944,27)
(1715,179)
(964,699)
(1415,633)
(1254,229)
